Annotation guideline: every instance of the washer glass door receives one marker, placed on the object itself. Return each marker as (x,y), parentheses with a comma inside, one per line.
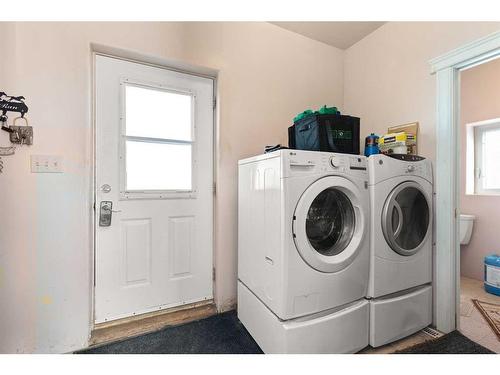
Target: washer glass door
(406,218)
(329,223)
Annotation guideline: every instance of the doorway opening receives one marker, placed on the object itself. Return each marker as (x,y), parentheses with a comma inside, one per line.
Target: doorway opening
(479,138)
(447,69)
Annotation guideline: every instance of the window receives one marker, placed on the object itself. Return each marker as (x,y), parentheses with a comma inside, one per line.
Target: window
(483,157)
(157,140)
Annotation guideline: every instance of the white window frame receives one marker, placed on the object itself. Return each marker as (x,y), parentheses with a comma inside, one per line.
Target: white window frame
(474,156)
(123,137)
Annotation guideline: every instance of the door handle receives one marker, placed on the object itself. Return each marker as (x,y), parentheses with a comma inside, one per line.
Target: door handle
(106,213)
(400,219)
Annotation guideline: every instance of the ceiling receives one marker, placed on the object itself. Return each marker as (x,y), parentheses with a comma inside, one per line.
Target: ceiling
(337,34)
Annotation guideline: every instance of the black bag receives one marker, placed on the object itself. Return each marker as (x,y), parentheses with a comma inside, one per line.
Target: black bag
(330,133)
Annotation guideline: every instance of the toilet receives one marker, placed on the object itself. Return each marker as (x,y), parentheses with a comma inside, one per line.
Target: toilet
(466,224)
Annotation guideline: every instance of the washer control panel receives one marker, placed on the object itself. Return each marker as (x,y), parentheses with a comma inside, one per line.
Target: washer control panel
(343,163)
(325,162)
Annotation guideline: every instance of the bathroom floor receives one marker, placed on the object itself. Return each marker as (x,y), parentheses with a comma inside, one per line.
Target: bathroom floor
(472,324)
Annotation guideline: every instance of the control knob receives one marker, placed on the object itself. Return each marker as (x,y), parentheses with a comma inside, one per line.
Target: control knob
(335,162)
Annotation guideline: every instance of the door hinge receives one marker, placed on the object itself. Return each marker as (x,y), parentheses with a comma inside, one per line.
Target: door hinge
(213,274)
(214,187)
(215,103)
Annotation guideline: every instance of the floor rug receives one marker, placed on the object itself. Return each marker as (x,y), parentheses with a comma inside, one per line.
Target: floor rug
(218,334)
(490,312)
(451,343)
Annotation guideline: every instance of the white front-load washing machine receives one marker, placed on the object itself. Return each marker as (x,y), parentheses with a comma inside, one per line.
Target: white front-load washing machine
(400,291)
(303,251)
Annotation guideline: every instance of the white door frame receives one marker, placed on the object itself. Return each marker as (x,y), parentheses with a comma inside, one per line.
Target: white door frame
(174,65)
(447,185)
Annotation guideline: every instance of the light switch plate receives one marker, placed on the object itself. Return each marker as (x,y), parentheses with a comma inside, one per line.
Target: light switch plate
(46,164)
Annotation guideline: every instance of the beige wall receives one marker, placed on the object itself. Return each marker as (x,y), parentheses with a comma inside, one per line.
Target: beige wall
(387,74)
(266,76)
(45,238)
(480,100)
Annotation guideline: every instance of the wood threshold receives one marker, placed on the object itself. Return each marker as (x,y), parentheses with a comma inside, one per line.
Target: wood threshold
(145,323)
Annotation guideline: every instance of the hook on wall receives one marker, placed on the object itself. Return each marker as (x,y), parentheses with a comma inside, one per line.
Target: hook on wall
(17,134)
(11,104)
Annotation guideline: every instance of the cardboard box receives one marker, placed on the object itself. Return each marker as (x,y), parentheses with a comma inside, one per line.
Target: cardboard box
(410,128)
(397,143)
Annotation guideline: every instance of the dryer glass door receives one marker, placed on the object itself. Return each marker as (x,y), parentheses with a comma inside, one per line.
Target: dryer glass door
(406,218)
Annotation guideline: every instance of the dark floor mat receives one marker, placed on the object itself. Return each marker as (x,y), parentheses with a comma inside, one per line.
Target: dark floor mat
(452,343)
(218,334)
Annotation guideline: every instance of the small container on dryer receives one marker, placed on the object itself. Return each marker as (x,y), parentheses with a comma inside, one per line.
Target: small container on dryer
(492,274)
(371,145)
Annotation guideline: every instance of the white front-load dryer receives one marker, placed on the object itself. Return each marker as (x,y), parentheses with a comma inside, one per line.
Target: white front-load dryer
(400,246)
(303,247)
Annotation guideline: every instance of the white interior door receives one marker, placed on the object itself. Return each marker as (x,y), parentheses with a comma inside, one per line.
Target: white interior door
(154,163)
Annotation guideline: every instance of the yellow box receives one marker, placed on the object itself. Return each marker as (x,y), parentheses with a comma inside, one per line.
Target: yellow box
(398,143)
(391,138)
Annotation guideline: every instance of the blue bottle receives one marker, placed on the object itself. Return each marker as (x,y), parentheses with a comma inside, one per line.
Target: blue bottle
(371,145)
(492,274)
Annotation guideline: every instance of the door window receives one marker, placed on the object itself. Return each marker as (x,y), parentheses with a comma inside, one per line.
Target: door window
(158,140)
(330,222)
(158,166)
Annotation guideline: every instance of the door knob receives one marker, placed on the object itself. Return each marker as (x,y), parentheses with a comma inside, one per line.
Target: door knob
(105,188)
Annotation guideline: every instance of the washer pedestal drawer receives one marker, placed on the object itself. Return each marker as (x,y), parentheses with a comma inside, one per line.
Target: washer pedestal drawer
(399,315)
(342,330)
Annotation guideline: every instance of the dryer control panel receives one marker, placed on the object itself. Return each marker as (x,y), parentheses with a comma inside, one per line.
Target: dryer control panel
(382,167)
